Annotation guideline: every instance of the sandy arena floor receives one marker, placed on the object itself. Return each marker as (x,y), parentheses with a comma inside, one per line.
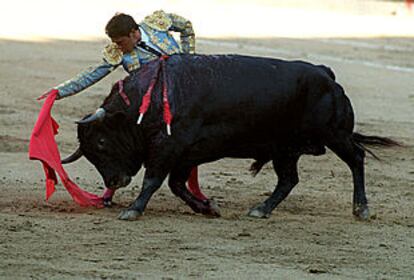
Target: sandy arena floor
(311,235)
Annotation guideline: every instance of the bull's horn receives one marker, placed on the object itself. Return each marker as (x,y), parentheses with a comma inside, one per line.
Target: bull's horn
(73,157)
(98,116)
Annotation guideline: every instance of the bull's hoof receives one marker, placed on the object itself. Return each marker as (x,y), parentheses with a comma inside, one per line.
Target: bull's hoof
(258,212)
(361,212)
(129,215)
(107,203)
(213,209)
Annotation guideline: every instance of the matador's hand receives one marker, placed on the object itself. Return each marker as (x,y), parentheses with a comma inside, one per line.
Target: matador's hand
(52,91)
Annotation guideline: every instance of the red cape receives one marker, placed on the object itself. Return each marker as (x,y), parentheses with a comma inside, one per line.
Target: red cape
(43,147)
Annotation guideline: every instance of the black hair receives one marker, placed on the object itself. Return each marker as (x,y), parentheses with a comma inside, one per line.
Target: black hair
(120,25)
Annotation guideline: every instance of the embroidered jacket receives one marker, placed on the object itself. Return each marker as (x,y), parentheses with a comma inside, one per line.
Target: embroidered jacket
(155,33)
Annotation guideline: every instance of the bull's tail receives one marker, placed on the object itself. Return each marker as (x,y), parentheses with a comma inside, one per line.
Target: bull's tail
(360,140)
(357,138)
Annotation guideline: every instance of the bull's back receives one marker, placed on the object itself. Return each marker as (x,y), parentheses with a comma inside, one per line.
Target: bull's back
(246,90)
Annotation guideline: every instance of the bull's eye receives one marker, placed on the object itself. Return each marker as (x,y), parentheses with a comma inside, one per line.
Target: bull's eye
(101,143)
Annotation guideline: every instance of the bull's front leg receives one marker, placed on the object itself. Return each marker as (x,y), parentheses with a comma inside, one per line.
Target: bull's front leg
(150,185)
(107,197)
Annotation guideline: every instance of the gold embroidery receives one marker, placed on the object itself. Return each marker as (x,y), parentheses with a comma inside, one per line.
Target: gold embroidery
(112,54)
(135,61)
(133,66)
(159,20)
(184,26)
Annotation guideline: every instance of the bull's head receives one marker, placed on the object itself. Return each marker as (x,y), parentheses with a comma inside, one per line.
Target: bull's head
(113,144)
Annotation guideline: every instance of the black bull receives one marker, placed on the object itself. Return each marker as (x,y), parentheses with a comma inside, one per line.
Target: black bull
(225,106)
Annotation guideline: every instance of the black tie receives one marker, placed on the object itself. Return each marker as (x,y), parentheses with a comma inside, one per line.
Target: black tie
(148,48)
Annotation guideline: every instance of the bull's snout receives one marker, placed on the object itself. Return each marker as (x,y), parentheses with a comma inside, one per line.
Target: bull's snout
(117,182)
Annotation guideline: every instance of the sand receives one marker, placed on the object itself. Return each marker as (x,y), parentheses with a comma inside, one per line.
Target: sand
(311,235)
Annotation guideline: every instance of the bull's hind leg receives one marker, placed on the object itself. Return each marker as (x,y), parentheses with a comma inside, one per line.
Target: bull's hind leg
(287,172)
(354,157)
(176,182)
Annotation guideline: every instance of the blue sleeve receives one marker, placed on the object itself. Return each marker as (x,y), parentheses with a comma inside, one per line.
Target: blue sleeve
(85,79)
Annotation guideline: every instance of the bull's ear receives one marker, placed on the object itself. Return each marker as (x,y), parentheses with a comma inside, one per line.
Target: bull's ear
(115,120)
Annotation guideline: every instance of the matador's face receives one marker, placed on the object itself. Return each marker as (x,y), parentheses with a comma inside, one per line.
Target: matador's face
(127,43)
